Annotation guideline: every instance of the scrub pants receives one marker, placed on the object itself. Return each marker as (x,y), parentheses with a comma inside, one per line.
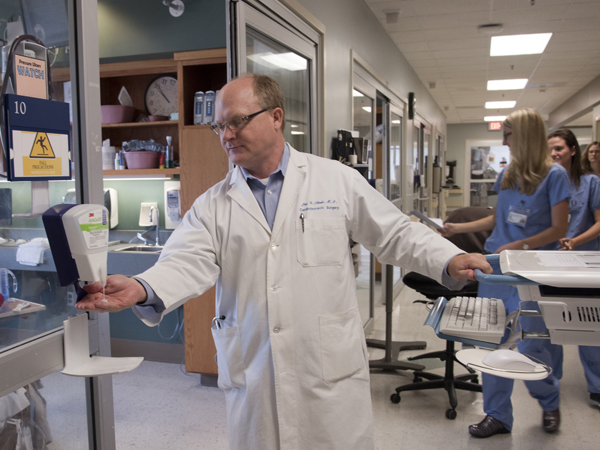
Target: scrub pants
(590,358)
(497,390)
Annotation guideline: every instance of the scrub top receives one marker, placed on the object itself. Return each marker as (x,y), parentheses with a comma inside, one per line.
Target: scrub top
(537,209)
(582,205)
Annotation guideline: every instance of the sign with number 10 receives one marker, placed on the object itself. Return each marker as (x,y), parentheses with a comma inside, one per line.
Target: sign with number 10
(37,138)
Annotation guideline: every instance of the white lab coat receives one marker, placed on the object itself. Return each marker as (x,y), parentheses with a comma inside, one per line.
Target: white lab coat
(291,353)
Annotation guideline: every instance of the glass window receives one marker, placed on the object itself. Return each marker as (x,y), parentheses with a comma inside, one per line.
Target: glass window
(363,126)
(291,71)
(487,159)
(34,302)
(395,159)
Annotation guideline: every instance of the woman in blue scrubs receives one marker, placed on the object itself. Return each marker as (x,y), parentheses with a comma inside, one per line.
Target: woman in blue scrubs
(584,229)
(590,160)
(531,213)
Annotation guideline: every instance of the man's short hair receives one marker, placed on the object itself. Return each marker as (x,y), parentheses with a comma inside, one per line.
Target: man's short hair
(268,93)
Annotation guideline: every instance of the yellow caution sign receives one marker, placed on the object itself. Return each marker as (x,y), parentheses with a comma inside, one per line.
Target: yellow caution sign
(41,147)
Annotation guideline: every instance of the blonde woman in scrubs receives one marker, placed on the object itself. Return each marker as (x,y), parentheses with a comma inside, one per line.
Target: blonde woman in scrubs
(531,213)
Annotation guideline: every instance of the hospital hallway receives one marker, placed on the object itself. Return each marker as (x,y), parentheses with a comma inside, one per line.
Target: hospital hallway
(158,406)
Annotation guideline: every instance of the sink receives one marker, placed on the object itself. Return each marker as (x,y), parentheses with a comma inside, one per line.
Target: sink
(141,248)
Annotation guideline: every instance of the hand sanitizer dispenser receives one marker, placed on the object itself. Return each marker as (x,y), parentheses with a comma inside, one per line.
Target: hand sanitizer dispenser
(78,237)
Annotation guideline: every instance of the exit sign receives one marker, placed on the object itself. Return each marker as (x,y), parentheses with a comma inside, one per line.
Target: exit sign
(495,126)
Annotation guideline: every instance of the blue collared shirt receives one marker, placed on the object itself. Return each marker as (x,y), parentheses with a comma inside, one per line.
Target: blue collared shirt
(267,195)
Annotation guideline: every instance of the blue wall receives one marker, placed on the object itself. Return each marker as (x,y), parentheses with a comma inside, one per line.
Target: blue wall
(145,27)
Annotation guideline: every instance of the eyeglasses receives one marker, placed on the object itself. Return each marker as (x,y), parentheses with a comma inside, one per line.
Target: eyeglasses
(505,135)
(234,124)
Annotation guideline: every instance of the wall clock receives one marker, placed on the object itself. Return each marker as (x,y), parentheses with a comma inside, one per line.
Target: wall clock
(161,96)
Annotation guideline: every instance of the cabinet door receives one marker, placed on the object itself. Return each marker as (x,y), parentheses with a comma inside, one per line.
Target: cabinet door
(203,164)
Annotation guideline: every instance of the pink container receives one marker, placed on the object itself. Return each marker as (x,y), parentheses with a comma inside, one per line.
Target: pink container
(117,113)
(142,160)
(157,118)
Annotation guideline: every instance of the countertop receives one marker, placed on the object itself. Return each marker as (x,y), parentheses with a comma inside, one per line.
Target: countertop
(125,263)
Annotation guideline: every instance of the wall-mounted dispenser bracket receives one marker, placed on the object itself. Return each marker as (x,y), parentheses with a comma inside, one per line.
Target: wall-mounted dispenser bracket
(79,363)
(40,200)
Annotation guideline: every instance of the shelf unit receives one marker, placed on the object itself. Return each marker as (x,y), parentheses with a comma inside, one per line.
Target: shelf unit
(202,160)
(135,76)
(138,172)
(451,203)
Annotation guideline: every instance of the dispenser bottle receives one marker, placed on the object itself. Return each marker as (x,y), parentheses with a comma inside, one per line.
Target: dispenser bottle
(4,285)
(169,154)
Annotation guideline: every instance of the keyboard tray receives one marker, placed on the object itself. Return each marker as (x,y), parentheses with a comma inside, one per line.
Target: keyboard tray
(434,319)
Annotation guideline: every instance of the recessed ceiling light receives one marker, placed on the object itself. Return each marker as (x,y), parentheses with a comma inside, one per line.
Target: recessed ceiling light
(355,93)
(500,105)
(494,118)
(297,132)
(505,85)
(519,44)
(395,121)
(367,108)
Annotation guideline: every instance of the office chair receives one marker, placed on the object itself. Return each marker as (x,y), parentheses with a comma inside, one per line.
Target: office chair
(431,289)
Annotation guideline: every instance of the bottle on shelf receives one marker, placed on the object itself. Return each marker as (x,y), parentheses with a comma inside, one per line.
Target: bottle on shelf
(161,160)
(169,154)
(198,107)
(209,104)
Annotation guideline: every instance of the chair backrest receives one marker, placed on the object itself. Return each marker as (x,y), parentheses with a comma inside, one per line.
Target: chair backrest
(469,242)
(432,289)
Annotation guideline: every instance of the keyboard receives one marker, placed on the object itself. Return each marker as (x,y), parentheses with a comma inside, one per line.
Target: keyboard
(477,318)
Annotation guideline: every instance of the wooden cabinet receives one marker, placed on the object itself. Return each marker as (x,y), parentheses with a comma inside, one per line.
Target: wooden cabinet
(135,77)
(201,158)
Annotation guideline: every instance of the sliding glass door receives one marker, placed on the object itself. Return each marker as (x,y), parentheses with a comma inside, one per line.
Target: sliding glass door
(259,41)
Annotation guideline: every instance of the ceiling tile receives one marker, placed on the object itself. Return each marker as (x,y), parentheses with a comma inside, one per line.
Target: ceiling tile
(440,40)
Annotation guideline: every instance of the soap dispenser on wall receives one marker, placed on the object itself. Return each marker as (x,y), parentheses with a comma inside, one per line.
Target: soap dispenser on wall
(172,204)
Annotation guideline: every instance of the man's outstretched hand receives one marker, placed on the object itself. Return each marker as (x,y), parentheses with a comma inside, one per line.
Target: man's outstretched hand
(120,293)
(461,266)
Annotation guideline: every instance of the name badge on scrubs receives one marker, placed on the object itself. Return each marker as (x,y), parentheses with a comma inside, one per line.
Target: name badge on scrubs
(517,216)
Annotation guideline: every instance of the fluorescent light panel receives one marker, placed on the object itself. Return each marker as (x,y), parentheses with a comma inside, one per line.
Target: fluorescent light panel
(500,105)
(494,118)
(355,93)
(519,44)
(288,61)
(506,85)
(367,108)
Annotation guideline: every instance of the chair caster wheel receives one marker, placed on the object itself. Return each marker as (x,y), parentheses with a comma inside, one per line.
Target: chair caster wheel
(395,398)
(417,379)
(451,414)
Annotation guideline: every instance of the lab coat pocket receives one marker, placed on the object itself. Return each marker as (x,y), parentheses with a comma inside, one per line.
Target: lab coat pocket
(321,242)
(229,358)
(341,345)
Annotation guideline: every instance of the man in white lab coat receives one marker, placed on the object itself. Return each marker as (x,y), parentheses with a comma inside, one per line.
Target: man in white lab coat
(275,238)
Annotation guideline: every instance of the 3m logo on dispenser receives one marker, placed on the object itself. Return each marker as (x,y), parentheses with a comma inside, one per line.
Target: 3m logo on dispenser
(38,136)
